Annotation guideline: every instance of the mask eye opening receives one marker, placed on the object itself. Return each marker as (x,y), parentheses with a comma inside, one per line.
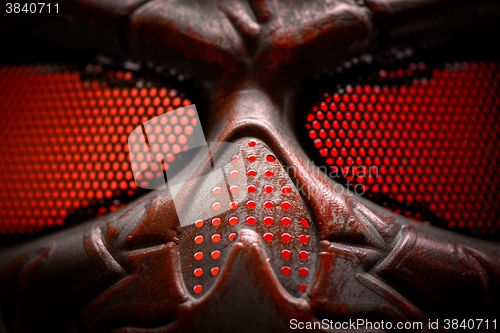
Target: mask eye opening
(84,108)
(404,66)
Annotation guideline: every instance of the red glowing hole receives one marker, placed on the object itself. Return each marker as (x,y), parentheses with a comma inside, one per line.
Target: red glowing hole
(286,237)
(303,239)
(199,223)
(198,255)
(216,238)
(216,190)
(234,173)
(198,239)
(286,254)
(216,222)
(232,236)
(234,205)
(251,188)
(268,220)
(198,272)
(268,237)
(216,254)
(251,158)
(251,204)
(304,222)
(285,270)
(268,204)
(234,189)
(214,271)
(303,271)
(198,289)
(252,143)
(251,220)
(216,206)
(251,173)
(303,255)
(270,158)
(285,190)
(303,288)
(235,159)
(286,205)
(268,173)
(233,220)
(286,221)
(268,188)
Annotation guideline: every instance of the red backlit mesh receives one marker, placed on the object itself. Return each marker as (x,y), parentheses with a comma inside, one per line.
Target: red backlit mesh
(428,147)
(64,141)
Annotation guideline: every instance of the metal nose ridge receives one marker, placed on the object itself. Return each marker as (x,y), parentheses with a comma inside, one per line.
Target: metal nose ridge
(253,191)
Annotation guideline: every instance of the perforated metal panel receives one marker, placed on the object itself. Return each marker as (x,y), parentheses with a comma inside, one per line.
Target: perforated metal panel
(426,146)
(270,204)
(64,149)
